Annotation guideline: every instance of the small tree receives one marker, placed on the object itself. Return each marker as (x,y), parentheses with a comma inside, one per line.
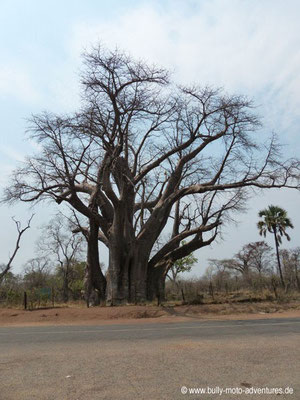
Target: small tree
(76,279)
(37,273)
(180,266)
(253,257)
(291,266)
(260,257)
(57,240)
(275,221)
(218,272)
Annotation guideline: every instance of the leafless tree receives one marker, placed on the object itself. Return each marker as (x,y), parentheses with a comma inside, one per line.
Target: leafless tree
(57,240)
(261,257)
(6,267)
(219,271)
(291,266)
(253,257)
(140,148)
(37,272)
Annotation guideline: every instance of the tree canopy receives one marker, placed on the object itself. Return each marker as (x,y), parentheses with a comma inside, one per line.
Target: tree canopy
(143,153)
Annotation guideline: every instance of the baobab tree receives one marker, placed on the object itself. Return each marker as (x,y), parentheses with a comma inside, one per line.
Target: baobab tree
(143,153)
(275,221)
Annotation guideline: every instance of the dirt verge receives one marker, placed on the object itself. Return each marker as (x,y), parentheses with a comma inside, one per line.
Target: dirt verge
(74,315)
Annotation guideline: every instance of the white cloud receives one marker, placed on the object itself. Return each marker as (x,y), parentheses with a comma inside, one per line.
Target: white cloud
(246,47)
(11,153)
(35,145)
(15,81)
(249,47)
(6,170)
(11,156)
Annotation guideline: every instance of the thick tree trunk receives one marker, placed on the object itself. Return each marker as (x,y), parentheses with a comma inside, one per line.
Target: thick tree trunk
(121,252)
(94,280)
(129,256)
(127,278)
(137,273)
(117,278)
(128,270)
(156,283)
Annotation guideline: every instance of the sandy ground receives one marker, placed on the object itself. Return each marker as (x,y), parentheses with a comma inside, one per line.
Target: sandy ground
(74,315)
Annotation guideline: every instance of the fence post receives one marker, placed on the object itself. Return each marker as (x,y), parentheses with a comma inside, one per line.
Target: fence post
(25,301)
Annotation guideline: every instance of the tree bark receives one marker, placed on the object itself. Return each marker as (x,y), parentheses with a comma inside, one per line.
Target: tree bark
(124,275)
(119,260)
(138,275)
(156,283)
(117,279)
(278,257)
(127,278)
(94,280)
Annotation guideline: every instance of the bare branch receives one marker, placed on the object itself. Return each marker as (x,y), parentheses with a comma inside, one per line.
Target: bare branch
(20,231)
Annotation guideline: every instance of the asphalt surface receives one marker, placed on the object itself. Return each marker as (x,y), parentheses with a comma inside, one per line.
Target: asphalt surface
(129,332)
(151,361)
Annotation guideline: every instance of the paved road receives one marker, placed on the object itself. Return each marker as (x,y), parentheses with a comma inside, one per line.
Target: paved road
(130,332)
(150,361)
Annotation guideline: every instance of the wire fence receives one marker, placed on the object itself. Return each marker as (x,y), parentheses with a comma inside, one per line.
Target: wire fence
(29,299)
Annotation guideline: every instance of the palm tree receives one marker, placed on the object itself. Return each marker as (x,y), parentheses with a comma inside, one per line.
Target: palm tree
(276,221)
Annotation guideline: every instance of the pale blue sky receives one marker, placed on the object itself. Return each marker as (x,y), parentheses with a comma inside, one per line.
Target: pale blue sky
(246,46)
